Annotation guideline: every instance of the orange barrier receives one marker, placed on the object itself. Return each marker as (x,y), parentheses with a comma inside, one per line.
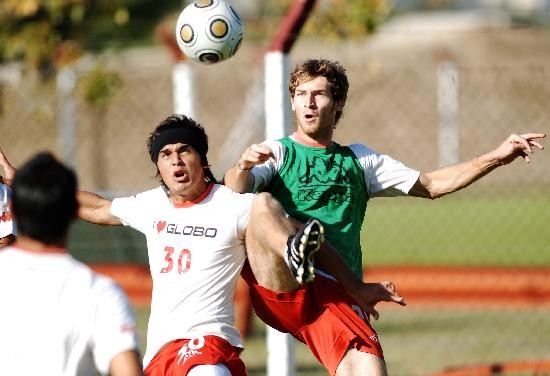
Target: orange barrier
(136,281)
(470,286)
(484,286)
(528,367)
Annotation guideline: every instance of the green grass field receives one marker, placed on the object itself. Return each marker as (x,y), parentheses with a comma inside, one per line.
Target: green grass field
(465,229)
(423,341)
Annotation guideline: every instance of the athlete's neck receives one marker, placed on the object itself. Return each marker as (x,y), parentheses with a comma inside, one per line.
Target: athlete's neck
(179,201)
(309,141)
(34,245)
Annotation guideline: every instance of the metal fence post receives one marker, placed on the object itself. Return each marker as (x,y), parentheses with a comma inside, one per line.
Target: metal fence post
(449,144)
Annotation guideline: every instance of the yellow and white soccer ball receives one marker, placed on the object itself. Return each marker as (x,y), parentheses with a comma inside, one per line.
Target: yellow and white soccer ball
(209,31)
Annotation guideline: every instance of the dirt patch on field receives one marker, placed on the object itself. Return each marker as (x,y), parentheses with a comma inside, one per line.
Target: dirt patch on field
(533,367)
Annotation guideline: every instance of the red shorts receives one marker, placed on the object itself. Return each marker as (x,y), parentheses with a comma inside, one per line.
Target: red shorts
(320,314)
(176,358)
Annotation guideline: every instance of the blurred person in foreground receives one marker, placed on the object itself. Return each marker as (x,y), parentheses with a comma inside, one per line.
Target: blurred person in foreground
(7,224)
(196,233)
(312,175)
(58,317)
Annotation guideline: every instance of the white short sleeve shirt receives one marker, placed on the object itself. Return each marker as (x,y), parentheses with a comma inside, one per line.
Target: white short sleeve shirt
(196,252)
(384,176)
(58,317)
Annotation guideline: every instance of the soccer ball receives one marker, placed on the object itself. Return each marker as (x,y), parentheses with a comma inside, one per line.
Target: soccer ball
(209,31)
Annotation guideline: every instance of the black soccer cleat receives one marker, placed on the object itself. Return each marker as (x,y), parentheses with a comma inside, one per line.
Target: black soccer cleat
(301,248)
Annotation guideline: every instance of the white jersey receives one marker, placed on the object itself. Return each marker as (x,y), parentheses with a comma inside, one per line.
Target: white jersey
(196,253)
(384,176)
(57,317)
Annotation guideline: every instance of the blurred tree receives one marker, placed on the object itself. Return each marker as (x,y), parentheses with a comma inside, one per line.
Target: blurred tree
(99,87)
(48,34)
(331,19)
(343,19)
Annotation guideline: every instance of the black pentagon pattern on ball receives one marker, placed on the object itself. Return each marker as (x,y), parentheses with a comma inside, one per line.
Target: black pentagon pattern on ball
(210,57)
(237,45)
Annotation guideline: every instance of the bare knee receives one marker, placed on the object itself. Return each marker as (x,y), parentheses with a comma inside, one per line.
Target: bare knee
(265,202)
(209,370)
(268,217)
(356,362)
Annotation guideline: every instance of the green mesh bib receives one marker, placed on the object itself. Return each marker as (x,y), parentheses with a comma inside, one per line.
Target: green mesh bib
(328,184)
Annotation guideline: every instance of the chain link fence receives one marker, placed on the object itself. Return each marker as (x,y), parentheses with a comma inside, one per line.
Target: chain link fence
(503,86)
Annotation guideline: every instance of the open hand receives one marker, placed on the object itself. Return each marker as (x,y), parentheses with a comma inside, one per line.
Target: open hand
(518,146)
(369,294)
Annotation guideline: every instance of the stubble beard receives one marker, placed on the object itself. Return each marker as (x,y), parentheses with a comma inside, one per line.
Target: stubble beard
(317,132)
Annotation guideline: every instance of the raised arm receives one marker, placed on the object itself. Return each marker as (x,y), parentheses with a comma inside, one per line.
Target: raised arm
(92,208)
(455,177)
(9,170)
(95,209)
(239,177)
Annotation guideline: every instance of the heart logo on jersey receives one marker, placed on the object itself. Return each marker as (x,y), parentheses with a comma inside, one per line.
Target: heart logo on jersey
(160,226)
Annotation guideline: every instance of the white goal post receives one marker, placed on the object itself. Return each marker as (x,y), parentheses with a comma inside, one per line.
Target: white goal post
(278,123)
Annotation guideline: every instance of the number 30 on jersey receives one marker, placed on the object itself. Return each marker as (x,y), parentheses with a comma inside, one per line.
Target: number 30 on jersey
(183,258)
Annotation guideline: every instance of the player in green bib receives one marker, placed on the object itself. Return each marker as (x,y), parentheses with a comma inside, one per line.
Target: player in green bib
(325,183)
(313,176)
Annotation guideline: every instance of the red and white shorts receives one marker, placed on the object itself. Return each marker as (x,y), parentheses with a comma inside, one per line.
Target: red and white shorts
(176,358)
(320,314)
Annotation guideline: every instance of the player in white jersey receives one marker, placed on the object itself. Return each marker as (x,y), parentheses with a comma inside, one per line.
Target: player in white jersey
(196,232)
(58,317)
(195,255)
(7,225)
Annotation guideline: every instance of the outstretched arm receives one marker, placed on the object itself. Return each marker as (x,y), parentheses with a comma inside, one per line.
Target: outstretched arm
(92,208)
(239,178)
(95,209)
(9,170)
(453,178)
